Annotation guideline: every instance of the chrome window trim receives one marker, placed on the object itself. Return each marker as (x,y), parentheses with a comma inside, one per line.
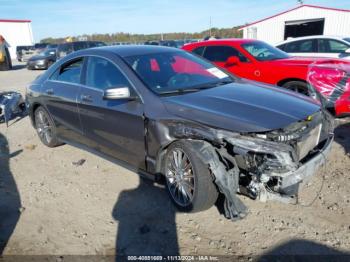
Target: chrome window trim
(90,87)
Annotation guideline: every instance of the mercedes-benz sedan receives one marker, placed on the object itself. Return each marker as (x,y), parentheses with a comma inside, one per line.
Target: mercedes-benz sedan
(167,112)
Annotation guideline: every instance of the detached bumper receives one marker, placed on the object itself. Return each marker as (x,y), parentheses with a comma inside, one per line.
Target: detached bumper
(291,182)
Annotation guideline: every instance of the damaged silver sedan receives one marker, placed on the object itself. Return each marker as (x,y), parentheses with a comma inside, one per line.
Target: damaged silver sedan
(170,113)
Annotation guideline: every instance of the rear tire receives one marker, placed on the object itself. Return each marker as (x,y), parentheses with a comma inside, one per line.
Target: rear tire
(188,179)
(45,128)
(298,86)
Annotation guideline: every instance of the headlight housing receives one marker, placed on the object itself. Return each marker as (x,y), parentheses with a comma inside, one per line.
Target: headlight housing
(260,156)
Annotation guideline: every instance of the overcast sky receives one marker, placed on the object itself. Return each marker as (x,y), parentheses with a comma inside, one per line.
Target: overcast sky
(51,18)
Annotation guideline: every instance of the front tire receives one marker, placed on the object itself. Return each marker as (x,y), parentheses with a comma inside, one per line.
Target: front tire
(188,179)
(45,128)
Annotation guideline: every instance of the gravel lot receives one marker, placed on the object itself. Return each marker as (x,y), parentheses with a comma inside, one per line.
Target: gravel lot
(50,206)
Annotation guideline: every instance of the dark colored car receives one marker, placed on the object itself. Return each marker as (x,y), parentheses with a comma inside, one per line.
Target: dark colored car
(166,112)
(43,60)
(49,46)
(41,45)
(169,43)
(67,48)
(151,43)
(23,52)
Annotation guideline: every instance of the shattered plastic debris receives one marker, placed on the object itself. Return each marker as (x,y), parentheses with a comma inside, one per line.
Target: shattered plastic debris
(12,105)
(227,182)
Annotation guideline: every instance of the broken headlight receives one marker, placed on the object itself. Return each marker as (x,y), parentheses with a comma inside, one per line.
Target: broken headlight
(260,163)
(260,156)
(293,132)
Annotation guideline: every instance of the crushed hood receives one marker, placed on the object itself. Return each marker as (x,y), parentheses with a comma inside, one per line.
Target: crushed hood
(242,107)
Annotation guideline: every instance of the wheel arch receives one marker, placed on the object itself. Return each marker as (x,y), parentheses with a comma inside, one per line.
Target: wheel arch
(161,155)
(32,110)
(163,150)
(286,80)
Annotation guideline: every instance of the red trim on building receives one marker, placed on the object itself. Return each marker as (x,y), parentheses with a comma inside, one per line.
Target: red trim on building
(313,6)
(15,21)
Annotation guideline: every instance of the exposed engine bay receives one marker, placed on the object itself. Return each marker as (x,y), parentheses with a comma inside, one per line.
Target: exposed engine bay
(273,167)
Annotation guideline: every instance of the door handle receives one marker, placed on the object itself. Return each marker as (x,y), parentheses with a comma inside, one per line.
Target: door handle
(86,98)
(49,91)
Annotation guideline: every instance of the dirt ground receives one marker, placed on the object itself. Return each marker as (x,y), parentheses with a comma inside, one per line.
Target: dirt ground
(49,206)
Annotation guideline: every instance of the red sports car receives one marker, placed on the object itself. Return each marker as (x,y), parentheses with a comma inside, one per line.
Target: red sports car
(261,62)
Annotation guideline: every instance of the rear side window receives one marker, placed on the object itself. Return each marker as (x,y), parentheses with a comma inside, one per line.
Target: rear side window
(102,74)
(282,47)
(199,50)
(69,73)
(222,53)
(337,46)
(331,46)
(304,46)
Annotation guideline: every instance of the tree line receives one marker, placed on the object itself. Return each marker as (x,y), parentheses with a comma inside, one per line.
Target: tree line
(136,38)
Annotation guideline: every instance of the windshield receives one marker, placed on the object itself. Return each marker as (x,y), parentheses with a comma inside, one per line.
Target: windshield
(264,52)
(176,72)
(47,52)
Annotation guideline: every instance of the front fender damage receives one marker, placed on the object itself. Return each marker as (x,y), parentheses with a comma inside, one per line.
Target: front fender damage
(207,142)
(226,180)
(247,164)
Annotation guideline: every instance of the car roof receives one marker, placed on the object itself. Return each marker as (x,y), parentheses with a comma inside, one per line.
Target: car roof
(312,37)
(131,50)
(229,41)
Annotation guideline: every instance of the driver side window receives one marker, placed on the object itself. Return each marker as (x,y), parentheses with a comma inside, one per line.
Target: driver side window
(102,74)
(69,73)
(222,53)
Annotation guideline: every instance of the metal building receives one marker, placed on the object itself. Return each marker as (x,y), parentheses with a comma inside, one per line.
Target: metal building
(303,20)
(16,32)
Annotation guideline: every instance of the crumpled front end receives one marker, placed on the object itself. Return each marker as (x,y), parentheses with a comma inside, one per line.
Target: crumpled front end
(265,166)
(272,165)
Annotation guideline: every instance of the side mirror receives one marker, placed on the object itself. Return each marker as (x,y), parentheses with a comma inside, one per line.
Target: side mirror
(117,93)
(232,61)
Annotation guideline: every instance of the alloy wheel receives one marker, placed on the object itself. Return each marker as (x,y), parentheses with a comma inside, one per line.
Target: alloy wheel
(180,177)
(43,127)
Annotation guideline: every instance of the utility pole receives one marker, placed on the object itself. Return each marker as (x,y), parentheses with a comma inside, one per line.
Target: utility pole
(210,26)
